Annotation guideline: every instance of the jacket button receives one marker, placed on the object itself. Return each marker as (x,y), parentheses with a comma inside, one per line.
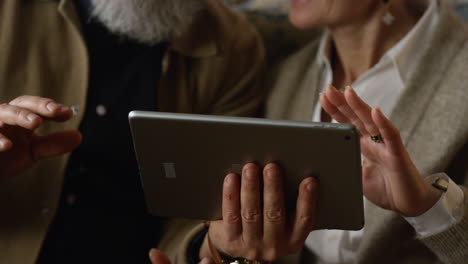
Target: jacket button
(101,110)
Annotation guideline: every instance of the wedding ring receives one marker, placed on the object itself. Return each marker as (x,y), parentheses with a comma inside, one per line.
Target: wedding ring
(377,138)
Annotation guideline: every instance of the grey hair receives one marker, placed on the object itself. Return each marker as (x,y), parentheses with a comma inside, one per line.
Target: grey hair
(147,21)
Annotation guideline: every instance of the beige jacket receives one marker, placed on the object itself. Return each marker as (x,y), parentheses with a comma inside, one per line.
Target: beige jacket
(213,68)
(432,116)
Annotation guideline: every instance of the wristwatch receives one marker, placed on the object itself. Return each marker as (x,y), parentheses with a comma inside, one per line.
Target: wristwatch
(441,184)
(225,259)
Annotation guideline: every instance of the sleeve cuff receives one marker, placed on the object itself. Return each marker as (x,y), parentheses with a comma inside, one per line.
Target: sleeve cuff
(193,252)
(445,213)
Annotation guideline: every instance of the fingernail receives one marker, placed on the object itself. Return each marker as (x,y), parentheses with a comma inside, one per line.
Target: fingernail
(268,174)
(52,106)
(31,117)
(249,174)
(310,186)
(64,108)
(2,143)
(228,181)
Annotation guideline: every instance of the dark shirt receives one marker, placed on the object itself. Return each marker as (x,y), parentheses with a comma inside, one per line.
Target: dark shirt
(102,215)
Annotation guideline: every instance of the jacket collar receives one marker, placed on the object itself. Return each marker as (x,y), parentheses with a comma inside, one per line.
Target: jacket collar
(68,10)
(203,38)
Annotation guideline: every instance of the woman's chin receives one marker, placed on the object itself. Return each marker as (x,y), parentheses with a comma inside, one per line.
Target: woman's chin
(299,18)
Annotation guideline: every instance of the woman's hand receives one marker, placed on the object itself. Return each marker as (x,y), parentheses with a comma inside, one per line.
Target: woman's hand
(20,146)
(390,179)
(255,225)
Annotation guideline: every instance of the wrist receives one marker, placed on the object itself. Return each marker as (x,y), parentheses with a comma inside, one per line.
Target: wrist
(446,212)
(428,200)
(433,196)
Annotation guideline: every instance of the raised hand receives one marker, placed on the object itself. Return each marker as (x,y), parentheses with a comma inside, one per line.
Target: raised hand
(20,146)
(390,179)
(256,227)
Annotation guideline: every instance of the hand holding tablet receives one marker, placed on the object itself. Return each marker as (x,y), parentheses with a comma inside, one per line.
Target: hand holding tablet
(183,159)
(255,223)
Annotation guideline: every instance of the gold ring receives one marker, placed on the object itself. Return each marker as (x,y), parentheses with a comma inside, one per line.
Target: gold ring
(377,138)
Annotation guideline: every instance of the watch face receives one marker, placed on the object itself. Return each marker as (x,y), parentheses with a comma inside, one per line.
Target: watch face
(441,184)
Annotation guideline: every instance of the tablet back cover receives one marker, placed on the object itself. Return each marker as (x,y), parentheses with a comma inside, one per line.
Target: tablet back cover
(184,158)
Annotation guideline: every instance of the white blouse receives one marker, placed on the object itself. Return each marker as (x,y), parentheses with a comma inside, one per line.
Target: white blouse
(382,86)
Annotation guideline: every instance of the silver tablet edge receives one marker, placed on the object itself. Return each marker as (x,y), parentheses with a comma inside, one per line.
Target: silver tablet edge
(238,120)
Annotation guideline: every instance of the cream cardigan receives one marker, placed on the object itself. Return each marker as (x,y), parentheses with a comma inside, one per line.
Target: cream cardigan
(432,116)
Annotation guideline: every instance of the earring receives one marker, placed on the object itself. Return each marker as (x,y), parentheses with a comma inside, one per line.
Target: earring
(387,18)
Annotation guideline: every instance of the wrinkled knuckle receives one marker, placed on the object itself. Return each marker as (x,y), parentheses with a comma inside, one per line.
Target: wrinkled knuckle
(232,217)
(275,215)
(228,196)
(251,215)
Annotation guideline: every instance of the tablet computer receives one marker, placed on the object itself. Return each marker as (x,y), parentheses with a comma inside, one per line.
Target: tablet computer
(183,159)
